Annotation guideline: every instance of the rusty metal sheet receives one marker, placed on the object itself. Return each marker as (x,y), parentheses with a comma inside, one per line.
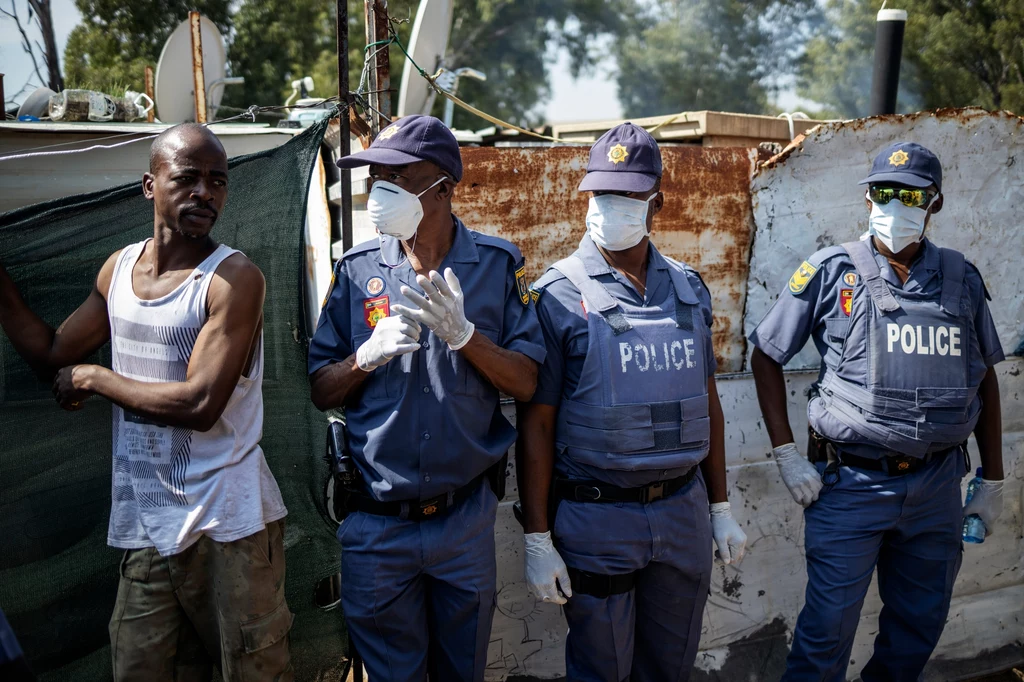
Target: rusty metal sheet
(528,196)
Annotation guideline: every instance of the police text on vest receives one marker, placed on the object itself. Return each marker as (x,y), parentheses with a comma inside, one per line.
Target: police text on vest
(924,339)
(667,356)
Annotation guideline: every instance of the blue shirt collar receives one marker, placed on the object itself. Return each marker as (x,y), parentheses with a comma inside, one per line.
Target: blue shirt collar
(595,263)
(922,267)
(463,248)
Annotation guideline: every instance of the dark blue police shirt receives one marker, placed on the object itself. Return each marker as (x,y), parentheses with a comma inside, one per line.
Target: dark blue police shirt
(427,422)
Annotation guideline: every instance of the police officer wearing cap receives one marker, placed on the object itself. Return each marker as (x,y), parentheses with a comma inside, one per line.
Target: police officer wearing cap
(908,348)
(417,359)
(623,444)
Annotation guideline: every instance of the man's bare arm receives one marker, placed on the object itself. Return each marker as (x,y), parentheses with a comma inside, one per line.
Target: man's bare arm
(336,384)
(44,348)
(510,372)
(220,355)
(770,383)
(535,462)
(989,429)
(713,466)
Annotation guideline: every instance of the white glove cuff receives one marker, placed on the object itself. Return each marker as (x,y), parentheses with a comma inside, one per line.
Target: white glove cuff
(456,345)
(994,486)
(361,360)
(538,544)
(721,509)
(786,452)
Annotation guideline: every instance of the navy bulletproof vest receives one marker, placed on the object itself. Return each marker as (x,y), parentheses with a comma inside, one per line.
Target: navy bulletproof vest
(920,351)
(647,404)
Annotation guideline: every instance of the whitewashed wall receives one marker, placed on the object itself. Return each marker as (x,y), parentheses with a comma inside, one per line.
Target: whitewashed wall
(802,203)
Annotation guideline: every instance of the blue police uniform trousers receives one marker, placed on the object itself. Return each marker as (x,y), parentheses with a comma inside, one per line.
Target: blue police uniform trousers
(651,632)
(910,527)
(412,586)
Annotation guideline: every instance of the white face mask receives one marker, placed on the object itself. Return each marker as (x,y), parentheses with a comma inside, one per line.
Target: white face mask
(394,211)
(616,223)
(897,225)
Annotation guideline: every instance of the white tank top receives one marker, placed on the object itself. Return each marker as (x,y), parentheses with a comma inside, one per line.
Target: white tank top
(172,484)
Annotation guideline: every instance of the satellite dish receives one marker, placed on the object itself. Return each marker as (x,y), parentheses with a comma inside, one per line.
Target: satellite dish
(175,94)
(427,47)
(37,104)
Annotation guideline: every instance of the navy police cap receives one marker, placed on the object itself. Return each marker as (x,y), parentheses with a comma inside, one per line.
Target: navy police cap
(906,163)
(625,159)
(408,140)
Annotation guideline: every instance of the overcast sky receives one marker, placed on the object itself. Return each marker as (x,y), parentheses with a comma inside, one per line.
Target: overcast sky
(593,97)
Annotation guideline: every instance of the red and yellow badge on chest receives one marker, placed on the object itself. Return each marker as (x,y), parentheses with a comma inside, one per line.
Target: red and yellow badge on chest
(846,298)
(375,310)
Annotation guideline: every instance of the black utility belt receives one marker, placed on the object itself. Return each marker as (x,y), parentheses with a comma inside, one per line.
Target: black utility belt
(577,490)
(893,464)
(417,510)
(599,585)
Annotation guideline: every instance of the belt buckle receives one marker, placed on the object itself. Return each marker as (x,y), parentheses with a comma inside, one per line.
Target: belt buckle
(655,491)
(903,464)
(591,497)
(429,508)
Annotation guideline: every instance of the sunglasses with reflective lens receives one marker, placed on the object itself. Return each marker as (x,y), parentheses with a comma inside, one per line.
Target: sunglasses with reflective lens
(914,198)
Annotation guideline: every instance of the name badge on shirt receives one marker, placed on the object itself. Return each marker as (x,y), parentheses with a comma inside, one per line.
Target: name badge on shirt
(375,310)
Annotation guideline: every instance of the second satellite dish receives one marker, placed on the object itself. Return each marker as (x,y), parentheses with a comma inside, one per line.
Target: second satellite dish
(427,46)
(173,87)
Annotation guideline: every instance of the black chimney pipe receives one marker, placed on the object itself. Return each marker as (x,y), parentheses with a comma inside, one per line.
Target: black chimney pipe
(888,53)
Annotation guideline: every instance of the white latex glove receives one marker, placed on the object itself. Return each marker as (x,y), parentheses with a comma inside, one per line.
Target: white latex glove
(987,502)
(544,567)
(799,475)
(393,336)
(442,310)
(729,537)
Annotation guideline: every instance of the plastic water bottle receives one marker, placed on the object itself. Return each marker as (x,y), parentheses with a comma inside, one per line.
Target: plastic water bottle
(974,527)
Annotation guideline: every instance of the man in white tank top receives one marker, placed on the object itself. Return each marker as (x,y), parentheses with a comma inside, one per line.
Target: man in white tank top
(194,505)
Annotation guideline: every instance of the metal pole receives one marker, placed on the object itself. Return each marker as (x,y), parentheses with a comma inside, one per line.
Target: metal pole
(380,75)
(149,93)
(885,82)
(383,63)
(345,143)
(198,77)
(3,102)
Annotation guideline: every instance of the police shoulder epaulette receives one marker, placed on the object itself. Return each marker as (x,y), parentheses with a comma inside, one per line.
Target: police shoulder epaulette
(540,286)
(810,267)
(370,245)
(498,242)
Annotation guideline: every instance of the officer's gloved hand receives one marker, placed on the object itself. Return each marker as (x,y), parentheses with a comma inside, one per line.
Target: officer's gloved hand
(729,537)
(987,502)
(393,336)
(442,310)
(799,475)
(544,567)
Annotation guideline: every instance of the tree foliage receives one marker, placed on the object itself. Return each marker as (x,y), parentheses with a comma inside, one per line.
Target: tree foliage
(956,53)
(968,52)
(512,41)
(509,40)
(729,55)
(116,40)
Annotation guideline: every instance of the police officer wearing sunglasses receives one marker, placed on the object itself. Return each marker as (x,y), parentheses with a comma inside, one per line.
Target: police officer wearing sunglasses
(417,359)
(908,348)
(622,451)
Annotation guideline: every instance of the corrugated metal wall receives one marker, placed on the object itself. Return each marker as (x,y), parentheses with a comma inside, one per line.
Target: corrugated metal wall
(794,206)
